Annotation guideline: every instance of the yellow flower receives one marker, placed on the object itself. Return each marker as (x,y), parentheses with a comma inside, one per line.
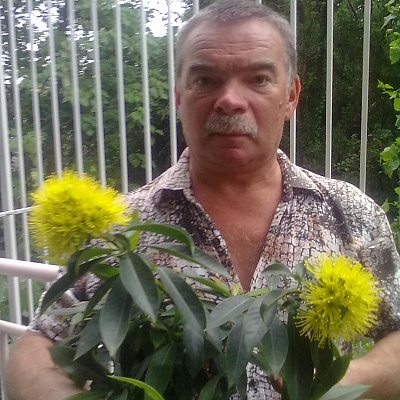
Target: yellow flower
(341,299)
(69,211)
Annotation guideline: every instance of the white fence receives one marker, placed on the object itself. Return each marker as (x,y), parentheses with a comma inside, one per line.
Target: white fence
(22,68)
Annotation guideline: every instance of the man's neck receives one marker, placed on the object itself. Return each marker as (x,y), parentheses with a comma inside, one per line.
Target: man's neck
(242,206)
(247,180)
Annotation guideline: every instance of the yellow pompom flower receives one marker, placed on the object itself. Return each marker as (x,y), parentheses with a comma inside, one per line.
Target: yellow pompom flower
(341,299)
(69,211)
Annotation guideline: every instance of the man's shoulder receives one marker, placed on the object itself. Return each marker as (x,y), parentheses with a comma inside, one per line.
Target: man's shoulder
(299,179)
(333,189)
(147,198)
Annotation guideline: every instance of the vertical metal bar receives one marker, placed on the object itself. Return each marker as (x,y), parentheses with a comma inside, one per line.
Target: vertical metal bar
(3,360)
(121,99)
(171,88)
(35,98)
(146,97)
(196,6)
(293,119)
(7,201)
(365,86)
(20,146)
(99,104)
(329,89)
(76,109)
(54,96)
(18,121)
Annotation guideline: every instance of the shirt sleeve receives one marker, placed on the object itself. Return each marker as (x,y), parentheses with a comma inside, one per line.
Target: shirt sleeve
(382,258)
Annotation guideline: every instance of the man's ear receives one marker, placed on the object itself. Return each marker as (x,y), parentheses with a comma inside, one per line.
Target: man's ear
(293,97)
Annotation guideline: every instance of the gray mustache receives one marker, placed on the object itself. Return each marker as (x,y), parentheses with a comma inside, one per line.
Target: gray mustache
(230,123)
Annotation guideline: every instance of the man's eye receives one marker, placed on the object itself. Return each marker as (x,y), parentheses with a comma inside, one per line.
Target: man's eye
(260,80)
(204,81)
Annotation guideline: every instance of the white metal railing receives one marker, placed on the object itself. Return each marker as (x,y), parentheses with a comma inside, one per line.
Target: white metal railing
(9,215)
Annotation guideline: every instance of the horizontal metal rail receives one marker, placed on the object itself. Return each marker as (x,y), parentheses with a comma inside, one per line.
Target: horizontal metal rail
(11,329)
(28,269)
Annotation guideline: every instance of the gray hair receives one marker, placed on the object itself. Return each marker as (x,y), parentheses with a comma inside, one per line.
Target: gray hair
(230,11)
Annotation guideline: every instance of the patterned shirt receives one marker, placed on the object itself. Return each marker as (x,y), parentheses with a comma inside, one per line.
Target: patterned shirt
(315,214)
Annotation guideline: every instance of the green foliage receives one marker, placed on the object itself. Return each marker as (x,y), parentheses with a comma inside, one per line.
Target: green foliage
(390,156)
(164,339)
(158,83)
(24,293)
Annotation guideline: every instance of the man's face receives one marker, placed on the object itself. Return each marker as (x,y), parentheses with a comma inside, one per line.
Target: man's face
(232,96)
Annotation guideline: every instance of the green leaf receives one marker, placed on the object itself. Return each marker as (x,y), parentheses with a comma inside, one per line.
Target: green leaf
(254,325)
(209,388)
(214,336)
(134,239)
(77,266)
(121,396)
(174,232)
(138,279)
(90,336)
(160,369)
(237,352)
(396,104)
(273,296)
(200,257)
(211,284)
(76,308)
(183,383)
(276,267)
(100,293)
(394,54)
(298,368)
(387,19)
(55,291)
(104,271)
(322,357)
(193,312)
(75,270)
(345,392)
(184,297)
(194,345)
(114,317)
(386,206)
(242,385)
(229,309)
(300,271)
(86,368)
(324,381)
(151,392)
(274,346)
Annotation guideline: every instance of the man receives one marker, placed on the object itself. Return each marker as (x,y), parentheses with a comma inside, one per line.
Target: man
(239,196)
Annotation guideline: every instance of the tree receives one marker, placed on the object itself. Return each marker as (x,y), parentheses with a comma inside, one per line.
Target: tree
(130,20)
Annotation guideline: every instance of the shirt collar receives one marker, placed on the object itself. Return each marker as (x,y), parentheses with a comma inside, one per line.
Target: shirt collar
(295,177)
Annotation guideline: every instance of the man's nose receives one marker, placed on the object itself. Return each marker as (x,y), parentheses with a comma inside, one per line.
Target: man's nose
(231,100)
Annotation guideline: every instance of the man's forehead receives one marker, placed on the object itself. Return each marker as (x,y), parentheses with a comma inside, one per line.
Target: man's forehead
(252,44)
(211,29)
(213,39)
